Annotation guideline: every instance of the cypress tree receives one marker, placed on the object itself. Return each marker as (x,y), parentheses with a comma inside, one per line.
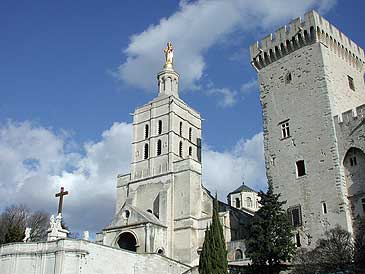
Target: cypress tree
(205,263)
(213,259)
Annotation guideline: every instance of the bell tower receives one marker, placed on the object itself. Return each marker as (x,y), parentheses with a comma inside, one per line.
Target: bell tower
(160,201)
(166,129)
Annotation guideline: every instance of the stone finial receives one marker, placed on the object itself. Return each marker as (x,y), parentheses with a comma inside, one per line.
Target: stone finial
(27,234)
(55,230)
(86,235)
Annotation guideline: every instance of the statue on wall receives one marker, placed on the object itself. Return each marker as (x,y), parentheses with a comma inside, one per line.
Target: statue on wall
(27,234)
(86,235)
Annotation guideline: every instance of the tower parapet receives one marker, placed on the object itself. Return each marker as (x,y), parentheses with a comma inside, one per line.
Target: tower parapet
(299,33)
(352,114)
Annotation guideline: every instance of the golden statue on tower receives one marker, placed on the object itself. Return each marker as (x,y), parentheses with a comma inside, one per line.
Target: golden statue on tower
(169,55)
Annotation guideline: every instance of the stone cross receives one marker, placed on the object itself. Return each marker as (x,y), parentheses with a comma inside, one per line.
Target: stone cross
(60,203)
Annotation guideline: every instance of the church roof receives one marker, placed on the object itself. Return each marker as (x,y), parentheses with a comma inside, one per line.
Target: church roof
(242,188)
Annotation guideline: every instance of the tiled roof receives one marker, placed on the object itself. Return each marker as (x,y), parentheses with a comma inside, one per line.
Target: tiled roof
(243,188)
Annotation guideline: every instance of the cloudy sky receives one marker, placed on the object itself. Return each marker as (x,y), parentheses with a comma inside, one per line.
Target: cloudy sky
(72,72)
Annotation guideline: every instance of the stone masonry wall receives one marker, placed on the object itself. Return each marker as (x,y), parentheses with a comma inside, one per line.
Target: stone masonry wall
(305,102)
(305,74)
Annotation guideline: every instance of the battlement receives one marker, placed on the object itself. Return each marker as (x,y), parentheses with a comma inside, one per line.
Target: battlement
(350,115)
(299,33)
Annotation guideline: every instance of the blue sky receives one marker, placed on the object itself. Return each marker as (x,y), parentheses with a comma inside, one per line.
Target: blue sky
(72,71)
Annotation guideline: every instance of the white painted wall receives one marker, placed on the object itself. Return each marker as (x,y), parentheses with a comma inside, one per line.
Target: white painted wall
(81,257)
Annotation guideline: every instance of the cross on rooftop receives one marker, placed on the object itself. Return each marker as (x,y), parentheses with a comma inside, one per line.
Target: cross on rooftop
(60,202)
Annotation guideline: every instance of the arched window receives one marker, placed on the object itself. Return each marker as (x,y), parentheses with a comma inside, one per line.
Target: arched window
(238,255)
(190,133)
(180,149)
(145,152)
(354,165)
(190,151)
(180,129)
(159,147)
(238,203)
(146,131)
(127,241)
(312,33)
(159,129)
(248,202)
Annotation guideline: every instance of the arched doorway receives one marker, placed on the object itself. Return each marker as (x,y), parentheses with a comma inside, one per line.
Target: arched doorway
(127,241)
(354,165)
(238,255)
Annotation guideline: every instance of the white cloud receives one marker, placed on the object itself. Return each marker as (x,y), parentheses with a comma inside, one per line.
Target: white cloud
(227,97)
(225,171)
(34,164)
(249,87)
(196,27)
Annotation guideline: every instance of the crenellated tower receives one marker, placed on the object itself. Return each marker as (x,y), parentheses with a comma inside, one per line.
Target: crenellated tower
(309,73)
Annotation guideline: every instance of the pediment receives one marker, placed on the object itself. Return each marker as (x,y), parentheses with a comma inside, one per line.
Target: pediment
(129,215)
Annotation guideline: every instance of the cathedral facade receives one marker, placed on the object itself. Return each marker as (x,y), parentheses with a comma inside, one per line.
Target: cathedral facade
(162,206)
(311,79)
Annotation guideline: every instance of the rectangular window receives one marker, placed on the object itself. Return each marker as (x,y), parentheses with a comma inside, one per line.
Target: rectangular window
(295,216)
(297,240)
(288,78)
(238,203)
(363,204)
(351,82)
(300,168)
(285,132)
(324,207)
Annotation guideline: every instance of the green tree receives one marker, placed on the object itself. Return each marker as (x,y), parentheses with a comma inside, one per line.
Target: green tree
(213,259)
(269,238)
(13,234)
(205,263)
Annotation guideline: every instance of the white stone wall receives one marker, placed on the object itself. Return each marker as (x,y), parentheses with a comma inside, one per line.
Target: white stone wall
(243,198)
(350,131)
(173,179)
(81,257)
(170,111)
